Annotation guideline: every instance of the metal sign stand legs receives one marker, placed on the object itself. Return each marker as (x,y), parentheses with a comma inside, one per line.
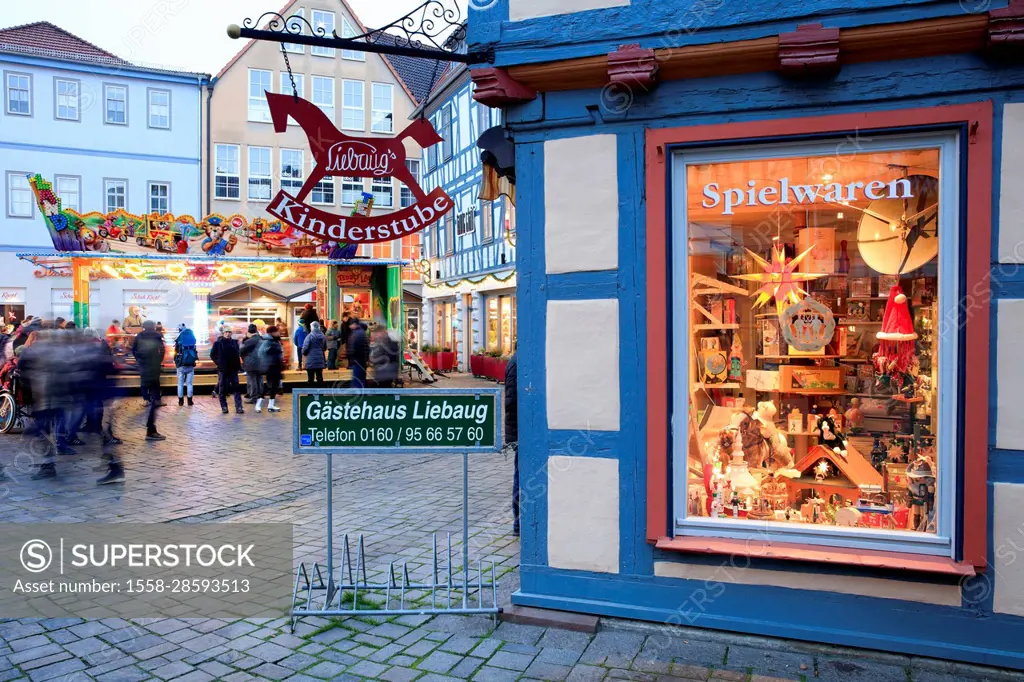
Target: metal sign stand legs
(314,595)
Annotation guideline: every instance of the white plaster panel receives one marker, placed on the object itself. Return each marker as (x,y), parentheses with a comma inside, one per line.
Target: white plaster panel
(581,204)
(583,513)
(926,593)
(519,10)
(1011,199)
(582,354)
(1007,569)
(1009,386)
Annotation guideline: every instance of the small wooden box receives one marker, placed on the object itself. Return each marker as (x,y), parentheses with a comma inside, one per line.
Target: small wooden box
(817,380)
(895,478)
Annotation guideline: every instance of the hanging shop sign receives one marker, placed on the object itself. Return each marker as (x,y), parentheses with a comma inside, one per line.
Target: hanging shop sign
(337,154)
(354,277)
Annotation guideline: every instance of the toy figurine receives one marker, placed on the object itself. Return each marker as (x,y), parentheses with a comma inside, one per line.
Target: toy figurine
(878,454)
(736,362)
(921,488)
(780,457)
(854,416)
(830,436)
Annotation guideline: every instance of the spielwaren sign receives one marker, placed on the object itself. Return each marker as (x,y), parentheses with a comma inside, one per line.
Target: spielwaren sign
(337,154)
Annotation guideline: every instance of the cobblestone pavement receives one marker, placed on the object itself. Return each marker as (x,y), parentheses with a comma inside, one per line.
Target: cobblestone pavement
(239,468)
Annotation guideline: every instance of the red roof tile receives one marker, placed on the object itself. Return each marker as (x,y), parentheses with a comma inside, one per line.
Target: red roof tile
(42,35)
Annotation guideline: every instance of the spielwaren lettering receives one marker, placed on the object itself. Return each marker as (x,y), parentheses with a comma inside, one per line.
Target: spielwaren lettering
(783,192)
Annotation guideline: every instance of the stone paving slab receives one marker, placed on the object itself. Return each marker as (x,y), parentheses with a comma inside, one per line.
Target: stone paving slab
(239,468)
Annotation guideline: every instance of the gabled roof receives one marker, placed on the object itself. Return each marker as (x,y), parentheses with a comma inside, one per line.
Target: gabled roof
(854,466)
(359,27)
(43,39)
(224,295)
(419,75)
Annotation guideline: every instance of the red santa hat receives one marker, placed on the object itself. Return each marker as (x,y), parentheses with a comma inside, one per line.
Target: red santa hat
(897,335)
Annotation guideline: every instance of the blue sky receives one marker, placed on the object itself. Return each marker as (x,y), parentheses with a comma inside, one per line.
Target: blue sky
(183,34)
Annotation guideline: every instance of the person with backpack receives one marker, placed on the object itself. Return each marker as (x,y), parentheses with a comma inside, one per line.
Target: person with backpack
(225,354)
(314,349)
(185,358)
(250,365)
(271,365)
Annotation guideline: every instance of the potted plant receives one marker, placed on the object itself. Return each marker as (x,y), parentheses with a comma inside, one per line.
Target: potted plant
(492,365)
(476,362)
(502,366)
(446,358)
(428,352)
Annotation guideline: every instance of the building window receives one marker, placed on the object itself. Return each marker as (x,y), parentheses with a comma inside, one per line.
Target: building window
(483,119)
(383,192)
(160,109)
(67,95)
(382,108)
(18,88)
(159,197)
(115,195)
(286,87)
(353,115)
(323,21)
(414,169)
(323,95)
(466,222)
(435,250)
(876,464)
(227,177)
(447,130)
(449,232)
(323,192)
(259,85)
(115,104)
(297,26)
(501,323)
(260,173)
(69,189)
(291,170)
(487,221)
(349,31)
(351,190)
(19,196)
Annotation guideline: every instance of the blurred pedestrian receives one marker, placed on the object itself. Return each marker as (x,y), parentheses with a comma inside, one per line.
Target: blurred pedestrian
(186,355)
(100,360)
(512,432)
(300,340)
(250,364)
(148,349)
(226,356)
(333,335)
(41,368)
(308,317)
(314,349)
(271,364)
(358,352)
(384,357)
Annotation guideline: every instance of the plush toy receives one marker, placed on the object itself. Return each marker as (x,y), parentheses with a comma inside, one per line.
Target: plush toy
(830,437)
(219,240)
(780,457)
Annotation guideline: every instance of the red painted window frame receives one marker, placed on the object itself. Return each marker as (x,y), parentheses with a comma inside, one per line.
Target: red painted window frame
(979,118)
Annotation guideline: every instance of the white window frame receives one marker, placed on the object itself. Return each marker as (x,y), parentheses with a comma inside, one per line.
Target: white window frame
(382,187)
(316,50)
(264,177)
(483,118)
(57,82)
(76,191)
(149,107)
(349,109)
(486,221)
(349,31)
(107,89)
(319,187)
(292,182)
(8,75)
(414,166)
(351,184)
(113,183)
(447,132)
(226,172)
(382,120)
(286,88)
(149,195)
(258,108)
(945,541)
(330,109)
(27,189)
(291,24)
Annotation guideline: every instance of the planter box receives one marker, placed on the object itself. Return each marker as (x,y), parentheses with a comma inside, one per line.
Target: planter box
(476,365)
(447,361)
(499,370)
(430,359)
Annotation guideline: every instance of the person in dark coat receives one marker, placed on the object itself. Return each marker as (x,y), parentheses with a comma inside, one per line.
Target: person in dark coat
(41,364)
(271,364)
(314,349)
(334,341)
(345,331)
(251,365)
(512,432)
(225,354)
(358,352)
(300,340)
(100,360)
(148,349)
(384,358)
(308,317)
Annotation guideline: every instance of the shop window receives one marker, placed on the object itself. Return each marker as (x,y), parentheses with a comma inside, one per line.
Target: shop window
(382,108)
(323,94)
(291,170)
(323,24)
(227,178)
(259,85)
(348,31)
(414,168)
(115,195)
(445,325)
(808,354)
(68,99)
(115,104)
(239,318)
(353,113)
(159,109)
(501,323)
(259,173)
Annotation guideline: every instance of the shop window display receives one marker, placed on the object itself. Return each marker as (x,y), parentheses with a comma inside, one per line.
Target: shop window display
(814,281)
